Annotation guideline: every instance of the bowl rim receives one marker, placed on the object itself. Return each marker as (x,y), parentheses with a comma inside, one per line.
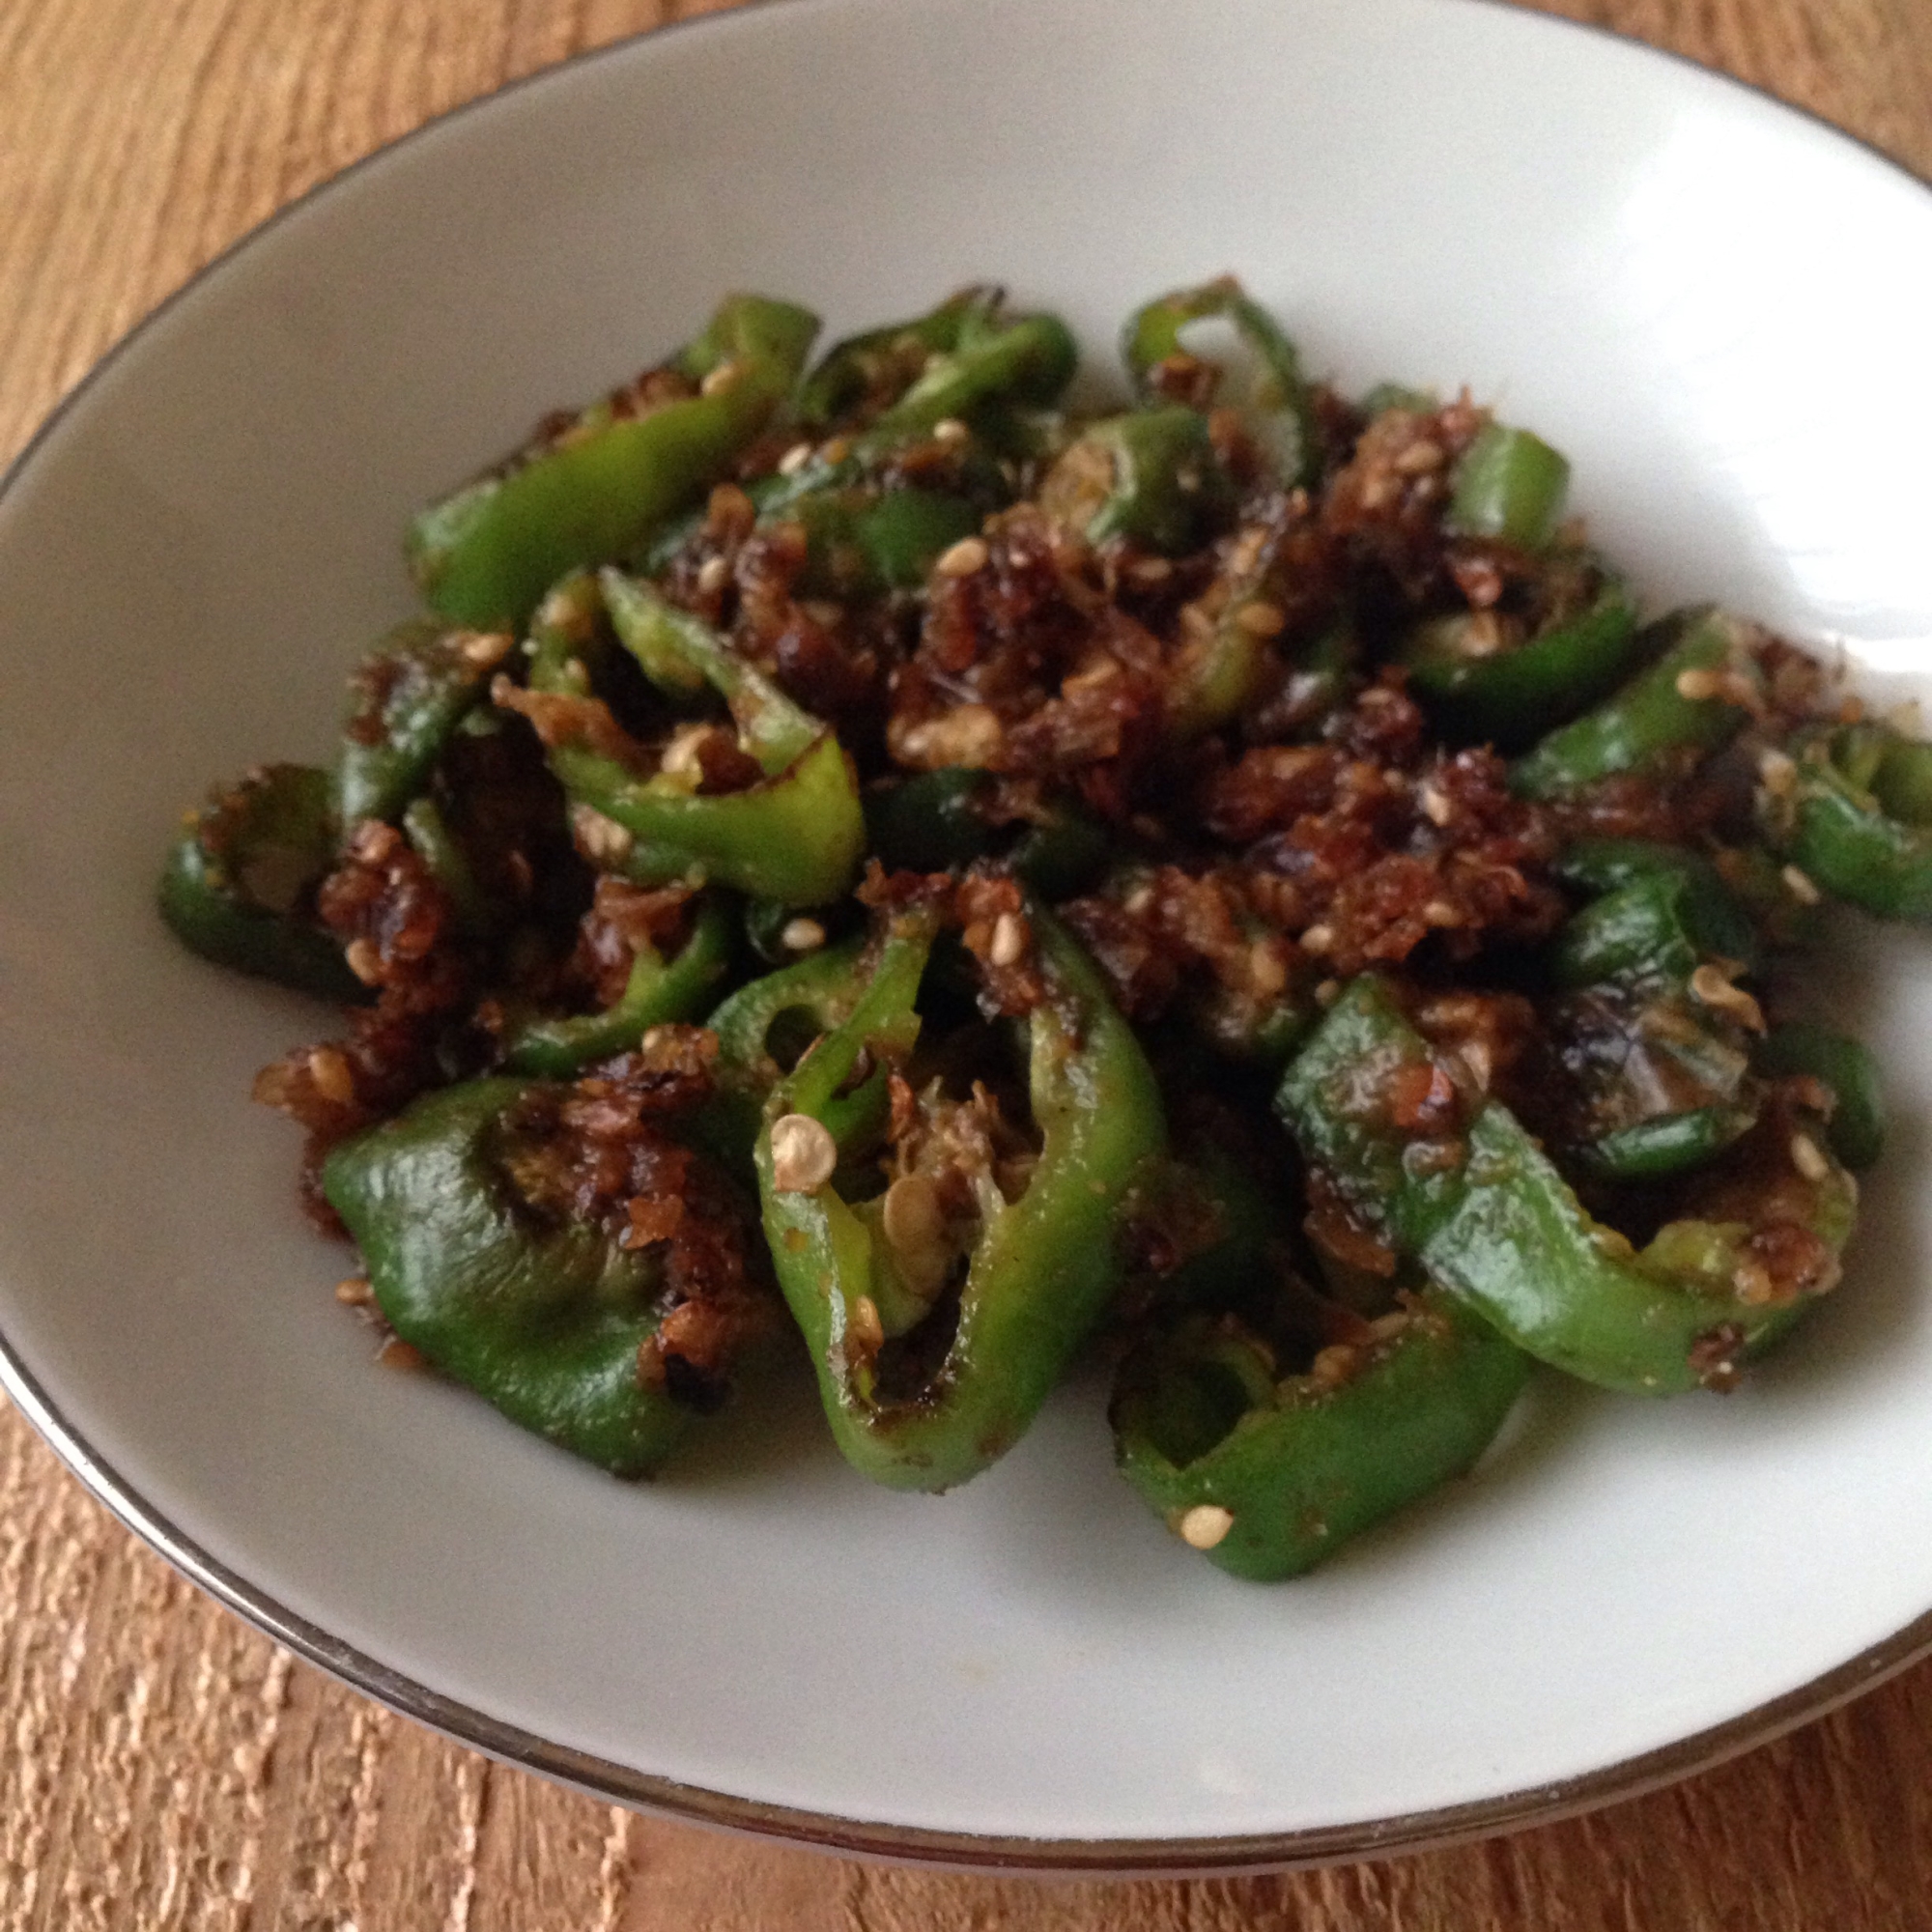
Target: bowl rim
(965,1851)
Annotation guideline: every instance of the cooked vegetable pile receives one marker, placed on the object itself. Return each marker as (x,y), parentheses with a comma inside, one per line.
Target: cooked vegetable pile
(863,849)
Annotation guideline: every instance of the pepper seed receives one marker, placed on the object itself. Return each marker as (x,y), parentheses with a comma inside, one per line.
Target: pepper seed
(1009,940)
(1205,1525)
(804,1154)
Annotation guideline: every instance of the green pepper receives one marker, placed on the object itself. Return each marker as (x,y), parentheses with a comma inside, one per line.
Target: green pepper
(590,492)
(888,360)
(946,818)
(659,989)
(1024,360)
(1278,403)
(1478,687)
(1849,1069)
(410,693)
(1694,699)
(240,882)
(1508,485)
(1857,819)
(1713,916)
(926,1383)
(548,1317)
(1485,1212)
(865,541)
(1150,477)
(795,836)
(1270,1474)
(1659,1075)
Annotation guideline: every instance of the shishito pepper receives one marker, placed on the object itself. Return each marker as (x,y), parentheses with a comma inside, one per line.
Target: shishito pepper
(1693,700)
(591,491)
(1855,817)
(1849,1069)
(1277,403)
(928,1374)
(477,1254)
(879,365)
(794,834)
(240,881)
(1269,1473)
(1478,1204)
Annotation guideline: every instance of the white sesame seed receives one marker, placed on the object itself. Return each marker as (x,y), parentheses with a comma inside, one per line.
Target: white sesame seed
(1435,806)
(802,935)
(1751,1283)
(1778,772)
(1420,458)
(1009,940)
(1807,1159)
(602,841)
(794,459)
(1205,1525)
(1800,886)
(1695,686)
(866,1329)
(712,574)
(1260,619)
(1317,938)
(963,558)
(354,1293)
(804,1154)
(1327,992)
(950,431)
(1267,973)
(365,961)
(720,378)
(487,649)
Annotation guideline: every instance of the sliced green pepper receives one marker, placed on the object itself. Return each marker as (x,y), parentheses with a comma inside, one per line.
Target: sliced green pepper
(1269,1476)
(410,693)
(1479,689)
(885,362)
(1694,699)
(1509,485)
(589,492)
(1659,1075)
(1486,1214)
(1849,1069)
(795,836)
(1151,476)
(945,818)
(1857,818)
(240,881)
(659,989)
(926,1386)
(548,1317)
(1278,403)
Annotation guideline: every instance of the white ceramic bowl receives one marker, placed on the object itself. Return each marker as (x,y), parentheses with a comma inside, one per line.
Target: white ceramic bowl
(1716,306)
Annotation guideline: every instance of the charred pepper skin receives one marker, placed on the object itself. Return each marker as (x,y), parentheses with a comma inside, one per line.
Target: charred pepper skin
(1651,720)
(1857,821)
(1284,1473)
(485,556)
(277,812)
(1045,1266)
(1487,1216)
(544,1321)
(795,836)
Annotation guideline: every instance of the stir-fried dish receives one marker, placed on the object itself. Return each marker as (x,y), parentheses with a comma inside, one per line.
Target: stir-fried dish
(1233,879)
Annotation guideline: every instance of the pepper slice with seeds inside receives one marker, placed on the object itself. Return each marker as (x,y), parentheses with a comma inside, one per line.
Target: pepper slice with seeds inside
(942,1307)
(1857,818)
(1750,1241)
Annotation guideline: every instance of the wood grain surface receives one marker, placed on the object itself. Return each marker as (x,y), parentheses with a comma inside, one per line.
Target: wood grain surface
(161,1765)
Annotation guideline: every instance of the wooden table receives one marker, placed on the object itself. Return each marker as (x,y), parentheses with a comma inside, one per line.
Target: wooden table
(160,1764)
